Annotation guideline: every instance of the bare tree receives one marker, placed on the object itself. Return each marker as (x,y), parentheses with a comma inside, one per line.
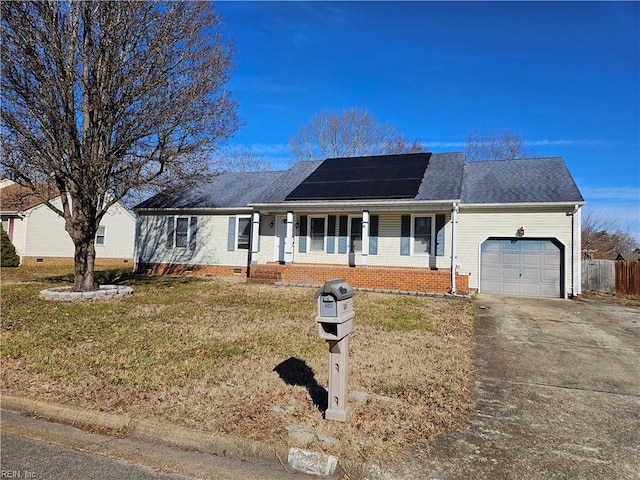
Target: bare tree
(601,238)
(241,159)
(102,98)
(497,145)
(350,133)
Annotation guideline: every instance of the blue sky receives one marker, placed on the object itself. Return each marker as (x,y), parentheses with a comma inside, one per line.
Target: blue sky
(565,75)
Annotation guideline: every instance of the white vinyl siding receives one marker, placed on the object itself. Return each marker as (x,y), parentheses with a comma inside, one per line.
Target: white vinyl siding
(477,225)
(210,248)
(45,234)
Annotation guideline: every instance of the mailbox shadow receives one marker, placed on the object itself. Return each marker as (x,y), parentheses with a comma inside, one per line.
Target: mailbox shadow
(296,372)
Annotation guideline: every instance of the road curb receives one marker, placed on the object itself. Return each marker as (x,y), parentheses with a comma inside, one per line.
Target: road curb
(290,459)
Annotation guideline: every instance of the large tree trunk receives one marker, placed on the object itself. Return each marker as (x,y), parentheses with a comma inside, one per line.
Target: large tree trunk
(85,258)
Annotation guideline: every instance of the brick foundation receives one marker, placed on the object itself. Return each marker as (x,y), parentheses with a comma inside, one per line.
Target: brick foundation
(412,279)
(177,269)
(69,261)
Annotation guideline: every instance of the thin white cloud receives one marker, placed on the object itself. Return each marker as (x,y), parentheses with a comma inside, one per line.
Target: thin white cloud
(446,144)
(562,141)
(531,143)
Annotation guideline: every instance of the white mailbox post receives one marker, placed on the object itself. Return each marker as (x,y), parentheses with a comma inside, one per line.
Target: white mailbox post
(335,322)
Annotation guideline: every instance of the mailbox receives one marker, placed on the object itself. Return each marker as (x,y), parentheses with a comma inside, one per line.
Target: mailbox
(335,309)
(335,323)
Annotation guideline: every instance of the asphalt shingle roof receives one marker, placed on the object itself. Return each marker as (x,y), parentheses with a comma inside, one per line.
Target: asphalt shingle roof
(532,180)
(447,177)
(228,190)
(443,178)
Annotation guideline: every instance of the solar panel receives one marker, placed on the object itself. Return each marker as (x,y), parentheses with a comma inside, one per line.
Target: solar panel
(385,176)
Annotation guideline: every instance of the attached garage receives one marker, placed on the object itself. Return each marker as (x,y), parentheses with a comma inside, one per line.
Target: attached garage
(530,268)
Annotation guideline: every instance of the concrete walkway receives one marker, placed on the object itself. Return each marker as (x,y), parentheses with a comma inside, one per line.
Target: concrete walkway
(558,394)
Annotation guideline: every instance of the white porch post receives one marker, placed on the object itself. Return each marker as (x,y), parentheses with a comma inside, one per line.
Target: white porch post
(288,241)
(255,236)
(454,253)
(365,238)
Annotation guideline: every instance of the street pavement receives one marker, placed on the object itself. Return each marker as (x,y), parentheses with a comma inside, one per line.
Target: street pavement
(36,449)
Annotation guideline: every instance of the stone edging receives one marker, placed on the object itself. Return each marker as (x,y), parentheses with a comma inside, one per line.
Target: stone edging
(105,292)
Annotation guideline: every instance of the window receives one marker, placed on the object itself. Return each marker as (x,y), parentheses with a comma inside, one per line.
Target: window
(317,234)
(244,233)
(422,235)
(100,235)
(355,236)
(181,232)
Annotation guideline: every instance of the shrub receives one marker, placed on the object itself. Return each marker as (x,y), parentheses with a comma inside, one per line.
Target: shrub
(9,256)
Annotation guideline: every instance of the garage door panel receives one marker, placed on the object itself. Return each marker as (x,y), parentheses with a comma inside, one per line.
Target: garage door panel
(529,259)
(510,273)
(492,273)
(511,259)
(530,274)
(510,288)
(531,290)
(521,267)
(492,258)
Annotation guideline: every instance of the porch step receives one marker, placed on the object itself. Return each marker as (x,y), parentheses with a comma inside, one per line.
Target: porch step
(264,277)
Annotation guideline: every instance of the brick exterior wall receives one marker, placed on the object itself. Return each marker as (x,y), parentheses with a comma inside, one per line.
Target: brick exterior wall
(412,279)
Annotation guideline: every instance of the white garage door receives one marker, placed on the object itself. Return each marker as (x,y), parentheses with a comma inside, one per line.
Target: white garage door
(529,268)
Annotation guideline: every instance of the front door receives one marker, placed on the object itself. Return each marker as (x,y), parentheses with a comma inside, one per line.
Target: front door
(281,235)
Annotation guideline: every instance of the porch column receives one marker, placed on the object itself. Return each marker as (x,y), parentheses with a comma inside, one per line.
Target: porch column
(255,236)
(365,238)
(288,241)
(454,254)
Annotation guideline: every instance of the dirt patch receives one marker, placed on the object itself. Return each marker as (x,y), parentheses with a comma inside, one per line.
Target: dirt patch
(618,299)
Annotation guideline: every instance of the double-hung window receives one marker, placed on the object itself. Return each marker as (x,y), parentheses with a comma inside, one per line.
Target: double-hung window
(317,234)
(422,235)
(181,232)
(243,233)
(100,235)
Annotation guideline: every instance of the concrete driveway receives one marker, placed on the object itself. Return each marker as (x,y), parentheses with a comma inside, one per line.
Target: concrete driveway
(558,394)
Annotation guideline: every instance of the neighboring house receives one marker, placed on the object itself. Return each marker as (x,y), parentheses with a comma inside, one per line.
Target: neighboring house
(39,234)
(413,222)
(628,257)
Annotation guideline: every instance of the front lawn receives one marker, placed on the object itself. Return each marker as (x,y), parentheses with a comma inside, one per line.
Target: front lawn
(203,352)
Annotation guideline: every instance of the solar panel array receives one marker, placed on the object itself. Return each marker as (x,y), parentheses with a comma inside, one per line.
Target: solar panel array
(386,176)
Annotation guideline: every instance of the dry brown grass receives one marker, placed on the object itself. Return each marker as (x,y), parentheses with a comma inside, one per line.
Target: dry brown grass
(617,298)
(202,353)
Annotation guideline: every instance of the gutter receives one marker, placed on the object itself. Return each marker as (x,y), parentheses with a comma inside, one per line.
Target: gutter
(572,205)
(333,206)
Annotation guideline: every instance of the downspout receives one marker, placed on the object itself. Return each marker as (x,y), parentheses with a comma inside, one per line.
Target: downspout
(454,255)
(575,253)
